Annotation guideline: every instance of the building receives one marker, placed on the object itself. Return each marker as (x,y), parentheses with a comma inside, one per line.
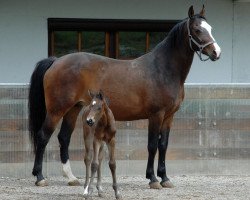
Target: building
(211,128)
(24,32)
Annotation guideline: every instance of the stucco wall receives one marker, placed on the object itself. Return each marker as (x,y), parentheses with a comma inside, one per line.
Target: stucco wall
(23,35)
(241,43)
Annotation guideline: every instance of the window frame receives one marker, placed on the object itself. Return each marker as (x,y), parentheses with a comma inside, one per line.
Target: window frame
(111,27)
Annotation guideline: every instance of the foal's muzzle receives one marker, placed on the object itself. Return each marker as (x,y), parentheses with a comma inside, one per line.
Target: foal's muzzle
(90,122)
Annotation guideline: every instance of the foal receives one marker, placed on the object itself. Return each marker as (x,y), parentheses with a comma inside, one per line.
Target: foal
(98,127)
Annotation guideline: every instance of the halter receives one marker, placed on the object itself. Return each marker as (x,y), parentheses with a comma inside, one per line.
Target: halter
(201,47)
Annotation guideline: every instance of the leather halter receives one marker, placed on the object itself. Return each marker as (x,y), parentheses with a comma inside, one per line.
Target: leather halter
(200,46)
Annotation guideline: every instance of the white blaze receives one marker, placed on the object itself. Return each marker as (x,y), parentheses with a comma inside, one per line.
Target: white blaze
(206,26)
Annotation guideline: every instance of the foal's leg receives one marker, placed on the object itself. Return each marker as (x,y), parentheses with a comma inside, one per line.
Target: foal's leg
(94,164)
(162,147)
(64,136)
(88,143)
(44,135)
(99,171)
(112,166)
(153,137)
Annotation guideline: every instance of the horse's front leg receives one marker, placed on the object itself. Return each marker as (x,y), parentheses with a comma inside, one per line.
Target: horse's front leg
(112,166)
(99,172)
(88,143)
(153,137)
(162,148)
(64,136)
(94,165)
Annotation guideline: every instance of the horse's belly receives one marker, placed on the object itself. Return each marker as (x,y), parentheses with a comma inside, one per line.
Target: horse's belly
(123,112)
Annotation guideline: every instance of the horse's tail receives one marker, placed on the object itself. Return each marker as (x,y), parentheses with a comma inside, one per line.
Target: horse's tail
(36,103)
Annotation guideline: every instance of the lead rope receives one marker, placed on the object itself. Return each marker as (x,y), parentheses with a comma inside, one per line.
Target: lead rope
(201,47)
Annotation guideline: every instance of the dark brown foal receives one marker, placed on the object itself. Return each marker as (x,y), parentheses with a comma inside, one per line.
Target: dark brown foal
(98,127)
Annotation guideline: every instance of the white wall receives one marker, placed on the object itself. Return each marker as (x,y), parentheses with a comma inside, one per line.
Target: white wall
(241,44)
(23,33)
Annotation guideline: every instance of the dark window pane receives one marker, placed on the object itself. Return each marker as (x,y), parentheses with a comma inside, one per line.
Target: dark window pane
(93,42)
(131,44)
(155,38)
(65,42)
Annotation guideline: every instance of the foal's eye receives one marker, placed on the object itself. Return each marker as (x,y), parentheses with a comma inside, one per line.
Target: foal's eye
(197,31)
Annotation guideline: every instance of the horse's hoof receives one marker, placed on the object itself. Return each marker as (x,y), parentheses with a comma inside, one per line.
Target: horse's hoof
(42,183)
(155,185)
(74,182)
(167,184)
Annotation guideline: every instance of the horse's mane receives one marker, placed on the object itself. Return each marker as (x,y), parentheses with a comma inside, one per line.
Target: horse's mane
(173,38)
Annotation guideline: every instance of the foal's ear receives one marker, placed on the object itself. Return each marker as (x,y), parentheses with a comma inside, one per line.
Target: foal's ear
(91,94)
(107,100)
(191,12)
(101,95)
(202,13)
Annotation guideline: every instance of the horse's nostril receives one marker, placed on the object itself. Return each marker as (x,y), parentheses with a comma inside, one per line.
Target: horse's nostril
(214,53)
(90,122)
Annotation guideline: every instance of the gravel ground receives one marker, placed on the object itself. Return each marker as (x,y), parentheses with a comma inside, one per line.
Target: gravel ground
(186,187)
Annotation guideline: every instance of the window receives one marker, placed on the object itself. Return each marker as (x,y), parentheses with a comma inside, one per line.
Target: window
(123,39)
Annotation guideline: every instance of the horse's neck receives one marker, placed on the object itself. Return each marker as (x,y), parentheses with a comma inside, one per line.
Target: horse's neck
(175,53)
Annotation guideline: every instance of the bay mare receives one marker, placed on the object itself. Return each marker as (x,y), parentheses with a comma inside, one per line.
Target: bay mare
(149,87)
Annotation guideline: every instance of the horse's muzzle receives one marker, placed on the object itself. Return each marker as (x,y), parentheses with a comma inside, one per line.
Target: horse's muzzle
(216,53)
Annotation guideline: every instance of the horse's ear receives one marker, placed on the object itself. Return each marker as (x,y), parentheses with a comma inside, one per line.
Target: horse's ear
(202,13)
(91,94)
(191,12)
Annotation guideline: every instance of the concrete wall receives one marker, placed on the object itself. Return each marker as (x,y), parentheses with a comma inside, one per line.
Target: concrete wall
(210,135)
(24,38)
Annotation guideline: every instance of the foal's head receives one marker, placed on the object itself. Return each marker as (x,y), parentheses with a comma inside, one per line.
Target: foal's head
(96,107)
(200,35)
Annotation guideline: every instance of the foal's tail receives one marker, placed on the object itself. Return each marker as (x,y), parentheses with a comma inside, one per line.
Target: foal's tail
(36,103)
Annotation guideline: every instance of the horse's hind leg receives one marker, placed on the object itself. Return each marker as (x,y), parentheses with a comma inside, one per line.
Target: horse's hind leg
(162,147)
(68,125)
(44,135)
(112,166)
(99,172)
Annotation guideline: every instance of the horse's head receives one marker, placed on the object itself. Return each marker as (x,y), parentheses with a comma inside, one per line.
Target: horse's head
(200,35)
(96,107)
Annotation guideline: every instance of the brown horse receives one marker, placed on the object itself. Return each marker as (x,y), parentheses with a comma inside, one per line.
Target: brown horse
(99,127)
(149,87)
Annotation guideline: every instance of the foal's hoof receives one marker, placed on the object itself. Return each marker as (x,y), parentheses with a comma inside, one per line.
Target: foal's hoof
(42,183)
(167,184)
(101,194)
(155,185)
(74,182)
(88,197)
(118,196)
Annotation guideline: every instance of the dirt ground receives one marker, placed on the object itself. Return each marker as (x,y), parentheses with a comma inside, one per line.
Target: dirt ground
(186,187)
